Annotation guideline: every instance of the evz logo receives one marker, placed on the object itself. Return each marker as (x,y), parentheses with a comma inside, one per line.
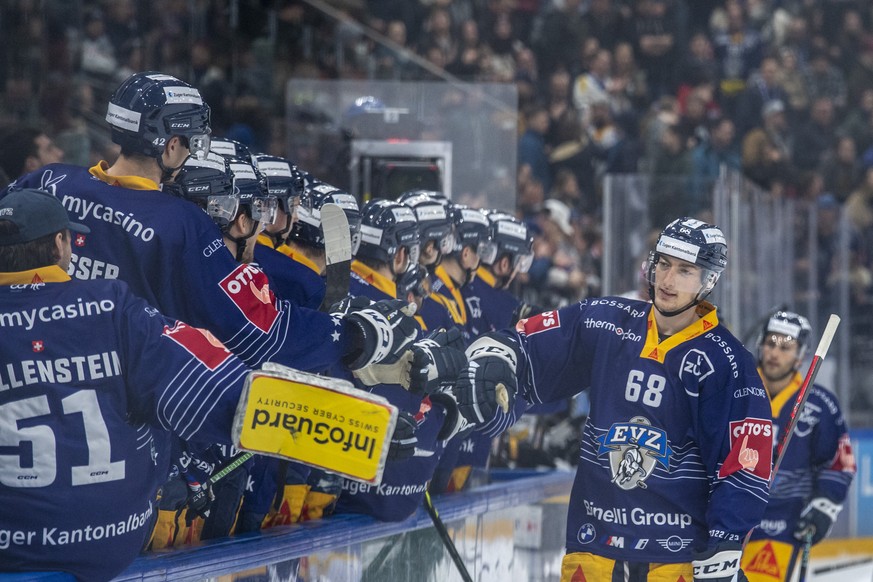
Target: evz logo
(49,183)
(634,449)
(475,308)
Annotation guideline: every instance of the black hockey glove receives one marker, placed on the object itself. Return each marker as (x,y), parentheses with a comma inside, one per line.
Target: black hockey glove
(349,303)
(488,385)
(436,362)
(199,500)
(403,441)
(719,564)
(383,331)
(818,517)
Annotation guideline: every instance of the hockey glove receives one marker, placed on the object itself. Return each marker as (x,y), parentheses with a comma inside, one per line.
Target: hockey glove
(384,330)
(525,310)
(436,362)
(719,564)
(403,440)
(454,422)
(349,303)
(818,516)
(199,500)
(487,387)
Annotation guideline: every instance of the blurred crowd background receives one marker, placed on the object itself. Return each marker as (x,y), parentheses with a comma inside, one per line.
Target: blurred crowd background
(778,90)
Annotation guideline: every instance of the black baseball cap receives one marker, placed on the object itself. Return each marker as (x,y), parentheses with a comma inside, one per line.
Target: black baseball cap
(37,213)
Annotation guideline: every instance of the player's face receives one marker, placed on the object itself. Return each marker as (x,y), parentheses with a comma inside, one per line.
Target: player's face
(677,283)
(778,356)
(429,253)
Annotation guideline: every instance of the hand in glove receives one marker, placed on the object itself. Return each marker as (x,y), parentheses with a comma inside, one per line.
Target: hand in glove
(719,564)
(384,331)
(488,385)
(403,441)
(436,362)
(199,500)
(818,517)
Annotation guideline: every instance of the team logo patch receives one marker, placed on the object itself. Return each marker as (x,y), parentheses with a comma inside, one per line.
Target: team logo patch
(634,449)
(751,448)
(539,323)
(695,364)
(199,343)
(249,289)
(845,459)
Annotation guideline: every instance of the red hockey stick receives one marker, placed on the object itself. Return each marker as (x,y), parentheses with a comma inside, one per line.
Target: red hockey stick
(820,352)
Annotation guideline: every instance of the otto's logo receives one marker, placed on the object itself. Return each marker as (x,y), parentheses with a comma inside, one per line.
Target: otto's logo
(249,290)
(199,343)
(538,323)
(634,449)
(751,448)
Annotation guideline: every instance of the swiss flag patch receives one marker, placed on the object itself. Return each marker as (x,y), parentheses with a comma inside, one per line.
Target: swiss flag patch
(751,448)
(80,240)
(249,289)
(38,345)
(199,343)
(539,323)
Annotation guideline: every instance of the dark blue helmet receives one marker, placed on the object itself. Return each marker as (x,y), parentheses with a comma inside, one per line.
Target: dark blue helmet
(150,108)
(470,227)
(208,183)
(508,236)
(251,187)
(307,230)
(414,281)
(432,212)
(696,242)
(792,325)
(386,227)
(284,180)
(230,148)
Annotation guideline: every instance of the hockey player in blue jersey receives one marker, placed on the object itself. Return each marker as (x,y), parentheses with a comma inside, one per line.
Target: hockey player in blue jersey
(676,453)
(90,392)
(507,253)
(436,237)
(818,466)
(173,256)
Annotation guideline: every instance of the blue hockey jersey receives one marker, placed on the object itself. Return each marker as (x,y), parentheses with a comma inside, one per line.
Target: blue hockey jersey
(817,463)
(172,255)
(292,276)
(92,378)
(488,307)
(676,453)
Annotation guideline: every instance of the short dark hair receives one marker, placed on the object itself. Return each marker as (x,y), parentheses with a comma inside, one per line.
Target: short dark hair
(17,143)
(33,254)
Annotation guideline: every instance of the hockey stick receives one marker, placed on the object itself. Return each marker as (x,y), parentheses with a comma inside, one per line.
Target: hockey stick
(803,394)
(337,254)
(234,462)
(804,557)
(440,527)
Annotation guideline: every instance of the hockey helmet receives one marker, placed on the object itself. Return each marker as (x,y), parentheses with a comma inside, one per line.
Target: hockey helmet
(792,326)
(307,229)
(386,227)
(150,108)
(251,187)
(508,236)
(696,242)
(207,182)
(230,148)
(470,227)
(434,224)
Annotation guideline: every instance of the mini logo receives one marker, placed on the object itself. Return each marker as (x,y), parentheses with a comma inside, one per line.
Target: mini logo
(80,240)
(634,449)
(38,345)
(674,543)
(586,534)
